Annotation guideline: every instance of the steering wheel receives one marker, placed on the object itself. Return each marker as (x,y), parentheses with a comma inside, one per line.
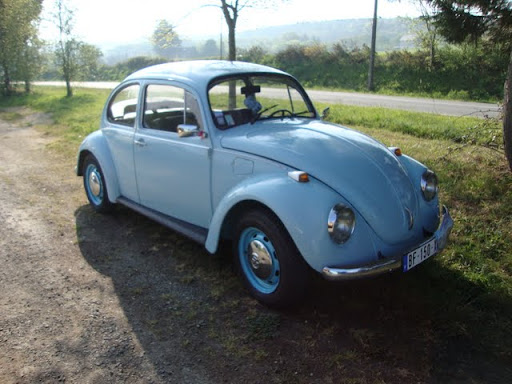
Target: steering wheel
(283,113)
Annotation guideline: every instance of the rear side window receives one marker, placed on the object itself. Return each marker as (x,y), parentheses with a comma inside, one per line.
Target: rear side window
(166,107)
(123,107)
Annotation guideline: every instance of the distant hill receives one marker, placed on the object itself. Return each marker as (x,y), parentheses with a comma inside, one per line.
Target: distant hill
(391,34)
(113,54)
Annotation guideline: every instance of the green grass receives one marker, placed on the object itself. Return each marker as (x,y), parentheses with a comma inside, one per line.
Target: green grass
(74,117)
(424,125)
(469,284)
(472,277)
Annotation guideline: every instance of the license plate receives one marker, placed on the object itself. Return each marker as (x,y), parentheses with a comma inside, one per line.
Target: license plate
(420,254)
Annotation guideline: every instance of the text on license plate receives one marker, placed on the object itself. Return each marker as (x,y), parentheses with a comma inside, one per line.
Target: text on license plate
(420,254)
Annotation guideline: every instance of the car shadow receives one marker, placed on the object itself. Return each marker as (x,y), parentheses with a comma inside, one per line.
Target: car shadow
(188,309)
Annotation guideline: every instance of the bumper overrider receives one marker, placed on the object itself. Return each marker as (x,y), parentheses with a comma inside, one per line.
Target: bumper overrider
(388,265)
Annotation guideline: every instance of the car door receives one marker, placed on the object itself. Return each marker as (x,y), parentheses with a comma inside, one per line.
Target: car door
(119,130)
(173,173)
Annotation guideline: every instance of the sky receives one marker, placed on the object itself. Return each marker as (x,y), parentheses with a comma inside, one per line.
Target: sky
(102,22)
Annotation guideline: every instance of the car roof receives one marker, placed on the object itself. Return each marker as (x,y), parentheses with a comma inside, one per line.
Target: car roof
(200,72)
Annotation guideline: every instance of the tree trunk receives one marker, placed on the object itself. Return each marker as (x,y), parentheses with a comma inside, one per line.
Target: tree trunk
(432,52)
(231,19)
(7,81)
(507,115)
(232,43)
(232,57)
(69,90)
(371,70)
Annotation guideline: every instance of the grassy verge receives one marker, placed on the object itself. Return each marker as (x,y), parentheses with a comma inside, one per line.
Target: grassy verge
(74,117)
(468,288)
(477,187)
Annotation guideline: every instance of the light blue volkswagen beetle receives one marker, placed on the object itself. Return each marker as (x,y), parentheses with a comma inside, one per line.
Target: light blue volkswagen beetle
(229,150)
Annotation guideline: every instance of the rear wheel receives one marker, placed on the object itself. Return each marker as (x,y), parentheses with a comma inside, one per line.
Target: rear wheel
(95,186)
(268,261)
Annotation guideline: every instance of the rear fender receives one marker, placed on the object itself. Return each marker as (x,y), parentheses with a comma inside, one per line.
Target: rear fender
(97,145)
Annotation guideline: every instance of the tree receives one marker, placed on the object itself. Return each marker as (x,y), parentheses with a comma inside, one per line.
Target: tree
(427,33)
(231,10)
(68,46)
(165,39)
(88,61)
(30,63)
(209,48)
(255,54)
(18,37)
(461,21)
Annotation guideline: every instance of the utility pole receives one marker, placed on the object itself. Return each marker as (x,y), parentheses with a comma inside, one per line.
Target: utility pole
(220,48)
(371,86)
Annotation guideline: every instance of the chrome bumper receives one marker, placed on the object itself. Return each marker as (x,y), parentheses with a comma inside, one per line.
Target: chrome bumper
(388,265)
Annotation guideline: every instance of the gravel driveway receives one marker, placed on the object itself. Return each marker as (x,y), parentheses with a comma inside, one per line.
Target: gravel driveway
(61,316)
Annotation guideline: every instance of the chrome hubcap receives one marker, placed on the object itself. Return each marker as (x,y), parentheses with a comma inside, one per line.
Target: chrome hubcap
(94,184)
(259,259)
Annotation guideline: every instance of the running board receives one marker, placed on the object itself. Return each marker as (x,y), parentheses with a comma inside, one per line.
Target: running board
(193,232)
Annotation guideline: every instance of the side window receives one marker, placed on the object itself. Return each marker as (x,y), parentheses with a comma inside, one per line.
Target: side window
(123,106)
(166,107)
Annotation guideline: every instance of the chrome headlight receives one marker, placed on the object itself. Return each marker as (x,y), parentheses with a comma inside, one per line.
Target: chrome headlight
(341,223)
(429,185)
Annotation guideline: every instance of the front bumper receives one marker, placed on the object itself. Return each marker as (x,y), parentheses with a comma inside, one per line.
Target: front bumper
(388,265)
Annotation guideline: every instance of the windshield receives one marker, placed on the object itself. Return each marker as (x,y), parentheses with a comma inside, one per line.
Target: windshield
(246,99)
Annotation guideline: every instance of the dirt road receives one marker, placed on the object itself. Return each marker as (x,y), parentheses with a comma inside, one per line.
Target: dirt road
(89,298)
(61,318)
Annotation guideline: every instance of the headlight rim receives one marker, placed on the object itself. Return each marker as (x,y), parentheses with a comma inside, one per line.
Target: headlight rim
(429,185)
(333,227)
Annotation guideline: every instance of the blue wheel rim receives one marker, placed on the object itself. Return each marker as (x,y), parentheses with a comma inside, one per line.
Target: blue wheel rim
(94,184)
(258,260)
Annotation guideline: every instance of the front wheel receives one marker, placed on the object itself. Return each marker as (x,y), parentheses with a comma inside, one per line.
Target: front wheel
(94,185)
(268,261)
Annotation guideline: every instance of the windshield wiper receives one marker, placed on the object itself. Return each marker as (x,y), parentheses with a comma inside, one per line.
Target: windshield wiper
(301,113)
(257,117)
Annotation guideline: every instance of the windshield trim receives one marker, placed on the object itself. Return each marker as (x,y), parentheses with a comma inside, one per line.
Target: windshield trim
(289,80)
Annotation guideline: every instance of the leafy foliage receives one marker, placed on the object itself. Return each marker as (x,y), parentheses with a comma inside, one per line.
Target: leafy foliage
(165,39)
(464,72)
(463,20)
(119,71)
(18,41)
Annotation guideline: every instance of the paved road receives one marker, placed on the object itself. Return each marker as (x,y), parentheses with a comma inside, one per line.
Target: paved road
(441,107)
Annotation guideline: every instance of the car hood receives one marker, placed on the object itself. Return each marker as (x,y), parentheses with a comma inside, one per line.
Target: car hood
(359,168)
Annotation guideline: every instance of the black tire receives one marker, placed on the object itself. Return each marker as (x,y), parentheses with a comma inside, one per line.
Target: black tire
(95,186)
(268,261)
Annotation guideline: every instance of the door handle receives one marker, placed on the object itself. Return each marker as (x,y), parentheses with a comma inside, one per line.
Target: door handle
(140,142)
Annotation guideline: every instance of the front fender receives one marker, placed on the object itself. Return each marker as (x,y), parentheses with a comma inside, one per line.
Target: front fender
(96,144)
(303,208)
(428,213)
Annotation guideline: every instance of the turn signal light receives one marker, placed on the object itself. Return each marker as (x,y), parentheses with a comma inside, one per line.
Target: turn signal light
(299,176)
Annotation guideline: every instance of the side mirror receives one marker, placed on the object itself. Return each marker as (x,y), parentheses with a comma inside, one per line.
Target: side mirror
(325,113)
(187,130)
